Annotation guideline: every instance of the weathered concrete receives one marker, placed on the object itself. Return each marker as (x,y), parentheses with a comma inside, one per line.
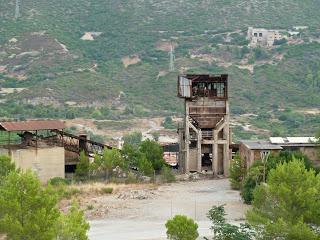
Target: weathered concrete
(45,162)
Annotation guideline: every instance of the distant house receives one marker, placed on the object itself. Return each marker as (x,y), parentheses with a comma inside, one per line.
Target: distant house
(253,150)
(263,37)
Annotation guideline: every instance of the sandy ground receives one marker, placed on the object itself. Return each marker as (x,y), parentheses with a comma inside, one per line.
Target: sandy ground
(144,219)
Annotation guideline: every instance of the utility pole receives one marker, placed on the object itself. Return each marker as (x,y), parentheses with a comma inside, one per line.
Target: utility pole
(17,12)
(172,58)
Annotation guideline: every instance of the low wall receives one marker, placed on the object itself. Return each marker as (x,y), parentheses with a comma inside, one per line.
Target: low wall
(46,163)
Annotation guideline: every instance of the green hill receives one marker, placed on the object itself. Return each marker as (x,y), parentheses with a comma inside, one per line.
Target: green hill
(60,75)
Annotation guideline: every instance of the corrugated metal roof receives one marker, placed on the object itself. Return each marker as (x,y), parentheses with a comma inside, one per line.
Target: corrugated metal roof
(33,125)
(301,140)
(293,140)
(260,145)
(276,140)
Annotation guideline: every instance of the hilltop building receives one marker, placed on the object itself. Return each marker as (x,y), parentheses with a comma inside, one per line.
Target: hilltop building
(263,37)
(204,134)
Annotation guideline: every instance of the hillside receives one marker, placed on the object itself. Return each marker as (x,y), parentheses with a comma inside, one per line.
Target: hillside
(122,70)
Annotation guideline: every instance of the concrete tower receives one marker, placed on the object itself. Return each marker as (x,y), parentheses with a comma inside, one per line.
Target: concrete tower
(204,134)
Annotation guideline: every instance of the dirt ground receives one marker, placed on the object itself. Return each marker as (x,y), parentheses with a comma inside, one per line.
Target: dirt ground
(140,214)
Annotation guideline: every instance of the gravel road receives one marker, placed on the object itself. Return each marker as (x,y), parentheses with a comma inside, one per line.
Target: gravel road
(144,219)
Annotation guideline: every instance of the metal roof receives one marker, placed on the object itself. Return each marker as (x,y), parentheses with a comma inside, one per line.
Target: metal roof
(32,125)
(260,145)
(293,140)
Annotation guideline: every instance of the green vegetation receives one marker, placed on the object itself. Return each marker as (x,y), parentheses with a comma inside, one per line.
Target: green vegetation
(91,73)
(169,124)
(237,172)
(83,167)
(287,207)
(29,211)
(182,228)
(225,231)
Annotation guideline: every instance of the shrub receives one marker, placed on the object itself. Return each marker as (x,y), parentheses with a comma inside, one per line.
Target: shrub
(106,190)
(167,175)
(56,181)
(145,167)
(132,178)
(182,228)
(237,172)
(247,190)
(83,167)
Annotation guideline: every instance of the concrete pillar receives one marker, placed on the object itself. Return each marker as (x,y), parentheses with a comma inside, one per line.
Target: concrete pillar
(215,153)
(199,165)
(187,138)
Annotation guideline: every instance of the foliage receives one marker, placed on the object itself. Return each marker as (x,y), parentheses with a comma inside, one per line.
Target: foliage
(167,175)
(145,166)
(225,231)
(73,225)
(288,202)
(280,42)
(6,166)
(56,181)
(83,167)
(107,190)
(256,172)
(237,172)
(182,228)
(27,211)
(134,139)
(153,152)
(168,123)
(110,159)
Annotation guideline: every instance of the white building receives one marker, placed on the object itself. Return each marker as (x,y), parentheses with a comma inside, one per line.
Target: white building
(262,37)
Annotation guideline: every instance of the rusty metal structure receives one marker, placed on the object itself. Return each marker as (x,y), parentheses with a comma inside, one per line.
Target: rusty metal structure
(33,133)
(204,135)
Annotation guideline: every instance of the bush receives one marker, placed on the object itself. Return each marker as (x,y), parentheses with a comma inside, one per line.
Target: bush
(56,181)
(83,167)
(182,228)
(247,190)
(106,190)
(145,167)
(132,178)
(237,172)
(167,175)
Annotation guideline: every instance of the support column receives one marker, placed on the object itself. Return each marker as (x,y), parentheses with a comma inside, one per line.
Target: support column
(186,143)
(226,152)
(215,153)
(199,166)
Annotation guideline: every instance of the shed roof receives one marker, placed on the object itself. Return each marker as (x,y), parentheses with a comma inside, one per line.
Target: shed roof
(33,125)
(260,145)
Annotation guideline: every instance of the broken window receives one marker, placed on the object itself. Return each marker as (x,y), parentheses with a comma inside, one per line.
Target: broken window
(255,34)
(260,34)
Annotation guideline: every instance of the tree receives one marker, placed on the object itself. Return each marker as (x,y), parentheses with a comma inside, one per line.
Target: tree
(134,139)
(225,231)
(6,166)
(237,172)
(26,210)
(73,225)
(288,202)
(111,159)
(83,167)
(182,228)
(153,152)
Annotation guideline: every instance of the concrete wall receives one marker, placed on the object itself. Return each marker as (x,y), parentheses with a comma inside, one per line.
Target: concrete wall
(312,153)
(45,162)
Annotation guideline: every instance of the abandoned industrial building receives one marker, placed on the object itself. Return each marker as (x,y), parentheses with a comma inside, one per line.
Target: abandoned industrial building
(44,147)
(253,150)
(204,134)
